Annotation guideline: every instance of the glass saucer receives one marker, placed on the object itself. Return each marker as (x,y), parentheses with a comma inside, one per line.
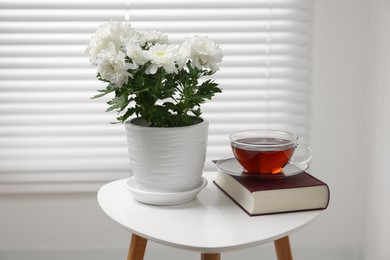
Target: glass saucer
(231,166)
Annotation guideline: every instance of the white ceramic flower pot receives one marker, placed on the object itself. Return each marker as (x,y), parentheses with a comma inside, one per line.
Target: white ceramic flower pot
(167,159)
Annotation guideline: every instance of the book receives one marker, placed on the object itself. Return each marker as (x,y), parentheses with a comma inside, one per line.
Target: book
(261,196)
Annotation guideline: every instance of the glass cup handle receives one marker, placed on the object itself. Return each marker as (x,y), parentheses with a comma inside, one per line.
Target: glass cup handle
(302,154)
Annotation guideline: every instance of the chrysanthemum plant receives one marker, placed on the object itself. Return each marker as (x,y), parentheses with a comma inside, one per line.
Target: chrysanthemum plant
(151,78)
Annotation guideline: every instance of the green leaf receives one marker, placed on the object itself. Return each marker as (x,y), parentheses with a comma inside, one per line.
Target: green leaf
(118,103)
(100,95)
(170,106)
(197,112)
(110,88)
(125,116)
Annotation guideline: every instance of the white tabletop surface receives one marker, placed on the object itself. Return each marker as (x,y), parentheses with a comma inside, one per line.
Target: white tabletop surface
(210,223)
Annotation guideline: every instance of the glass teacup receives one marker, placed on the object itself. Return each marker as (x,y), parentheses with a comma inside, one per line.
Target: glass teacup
(267,151)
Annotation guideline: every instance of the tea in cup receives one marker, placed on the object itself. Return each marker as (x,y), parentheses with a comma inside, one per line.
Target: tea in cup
(266,151)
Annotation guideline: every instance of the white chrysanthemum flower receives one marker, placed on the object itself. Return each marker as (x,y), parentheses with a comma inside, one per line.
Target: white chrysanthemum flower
(136,54)
(99,41)
(150,38)
(128,35)
(204,53)
(162,55)
(183,54)
(112,65)
(114,32)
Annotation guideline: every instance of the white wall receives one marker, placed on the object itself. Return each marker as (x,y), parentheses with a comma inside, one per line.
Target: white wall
(338,103)
(378,173)
(73,226)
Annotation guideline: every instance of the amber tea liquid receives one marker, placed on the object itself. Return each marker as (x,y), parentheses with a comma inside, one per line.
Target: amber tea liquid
(269,157)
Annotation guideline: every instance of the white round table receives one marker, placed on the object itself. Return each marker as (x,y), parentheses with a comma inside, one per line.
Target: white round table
(210,224)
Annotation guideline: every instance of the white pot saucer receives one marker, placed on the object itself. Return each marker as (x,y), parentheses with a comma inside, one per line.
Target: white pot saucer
(162,198)
(231,166)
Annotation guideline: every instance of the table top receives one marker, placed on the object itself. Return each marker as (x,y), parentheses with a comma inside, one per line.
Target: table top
(210,223)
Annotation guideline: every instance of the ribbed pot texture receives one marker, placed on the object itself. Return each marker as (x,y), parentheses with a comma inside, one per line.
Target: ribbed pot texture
(167,159)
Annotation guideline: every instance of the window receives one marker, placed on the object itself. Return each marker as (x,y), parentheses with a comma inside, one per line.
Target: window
(53,137)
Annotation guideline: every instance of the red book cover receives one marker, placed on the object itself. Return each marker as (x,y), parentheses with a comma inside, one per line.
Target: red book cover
(258,184)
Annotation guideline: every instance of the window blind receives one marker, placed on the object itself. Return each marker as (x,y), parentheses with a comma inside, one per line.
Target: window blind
(53,137)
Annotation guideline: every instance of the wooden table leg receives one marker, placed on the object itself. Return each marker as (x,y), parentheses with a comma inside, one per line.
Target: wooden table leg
(283,249)
(213,256)
(137,248)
